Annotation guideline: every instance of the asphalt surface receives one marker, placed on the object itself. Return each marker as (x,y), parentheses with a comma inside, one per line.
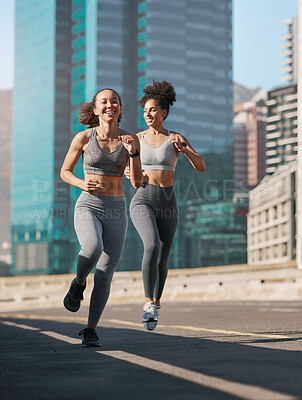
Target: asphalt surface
(204,350)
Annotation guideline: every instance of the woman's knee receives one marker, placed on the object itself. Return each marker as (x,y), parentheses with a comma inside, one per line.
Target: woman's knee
(92,251)
(151,248)
(102,278)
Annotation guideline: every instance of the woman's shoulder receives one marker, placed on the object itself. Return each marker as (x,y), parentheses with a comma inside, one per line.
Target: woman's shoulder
(139,134)
(83,137)
(179,134)
(129,134)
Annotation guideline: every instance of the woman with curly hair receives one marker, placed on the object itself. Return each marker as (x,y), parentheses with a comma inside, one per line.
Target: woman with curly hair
(153,208)
(100,216)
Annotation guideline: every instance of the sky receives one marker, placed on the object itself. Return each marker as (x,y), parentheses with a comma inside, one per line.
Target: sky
(257,27)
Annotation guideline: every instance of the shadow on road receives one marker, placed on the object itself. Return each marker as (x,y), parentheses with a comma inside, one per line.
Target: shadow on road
(35,366)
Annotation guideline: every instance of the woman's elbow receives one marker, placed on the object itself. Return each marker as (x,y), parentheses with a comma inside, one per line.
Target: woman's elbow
(62,175)
(137,184)
(201,167)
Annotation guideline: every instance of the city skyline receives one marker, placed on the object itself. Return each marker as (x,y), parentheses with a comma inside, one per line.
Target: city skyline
(246,71)
(64,52)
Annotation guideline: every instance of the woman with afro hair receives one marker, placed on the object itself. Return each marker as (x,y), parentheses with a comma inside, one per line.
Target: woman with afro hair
(153,209)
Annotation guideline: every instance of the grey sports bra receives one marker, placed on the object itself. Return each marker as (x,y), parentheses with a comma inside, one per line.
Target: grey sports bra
(162,157)
(97,161)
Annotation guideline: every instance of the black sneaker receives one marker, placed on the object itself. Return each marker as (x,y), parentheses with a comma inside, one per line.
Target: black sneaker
(72,301)
(90,338)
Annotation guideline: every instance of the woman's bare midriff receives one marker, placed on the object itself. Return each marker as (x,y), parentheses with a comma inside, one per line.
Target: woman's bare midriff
(106,185)
(159,178)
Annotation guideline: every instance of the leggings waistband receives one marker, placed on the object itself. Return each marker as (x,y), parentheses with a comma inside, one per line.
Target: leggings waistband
(157,192)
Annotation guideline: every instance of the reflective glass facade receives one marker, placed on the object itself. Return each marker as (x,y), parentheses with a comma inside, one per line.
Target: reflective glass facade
(213,235)
(73,48)
(189,43)
(41,131)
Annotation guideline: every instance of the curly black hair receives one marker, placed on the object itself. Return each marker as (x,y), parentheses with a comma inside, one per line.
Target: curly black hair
(163,92)
(86,115)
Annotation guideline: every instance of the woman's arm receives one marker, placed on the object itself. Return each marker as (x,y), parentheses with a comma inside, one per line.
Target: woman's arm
(195,159)
(71,159)
(131,143)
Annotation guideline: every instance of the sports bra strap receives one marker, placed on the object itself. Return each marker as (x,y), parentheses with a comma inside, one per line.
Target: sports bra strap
(93,134)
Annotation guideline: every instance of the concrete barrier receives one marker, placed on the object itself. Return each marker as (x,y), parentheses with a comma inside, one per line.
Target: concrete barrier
(234,282)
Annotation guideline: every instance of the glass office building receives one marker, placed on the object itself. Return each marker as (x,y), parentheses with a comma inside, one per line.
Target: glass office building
(40,201)
(65,52)
(189,43)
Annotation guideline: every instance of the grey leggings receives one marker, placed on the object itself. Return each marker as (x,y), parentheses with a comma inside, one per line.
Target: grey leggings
(101,224)
(154,214)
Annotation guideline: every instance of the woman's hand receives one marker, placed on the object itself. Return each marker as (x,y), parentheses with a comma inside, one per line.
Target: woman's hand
(176,140)
(127,171)
(145,178)
(129,143)
(89,185)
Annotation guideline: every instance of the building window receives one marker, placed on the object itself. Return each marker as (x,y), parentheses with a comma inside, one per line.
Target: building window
(142,7)
(141,22)
(275,251)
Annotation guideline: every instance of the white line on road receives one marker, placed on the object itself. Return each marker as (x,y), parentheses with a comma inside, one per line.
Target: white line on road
(279,309)
(30,328)
(63,338)
(54,335)
(227,332)
(244,391)
(139,325)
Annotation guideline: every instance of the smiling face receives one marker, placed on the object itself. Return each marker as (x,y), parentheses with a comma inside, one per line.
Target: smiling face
(153,113)
(107,106)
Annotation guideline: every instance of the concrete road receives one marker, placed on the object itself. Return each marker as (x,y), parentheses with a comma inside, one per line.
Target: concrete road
(204,350)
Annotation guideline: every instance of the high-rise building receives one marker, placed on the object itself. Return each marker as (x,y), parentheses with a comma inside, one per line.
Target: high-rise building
(5,177)
(271,219)
(128,43)
(67,51)
(282,103)
(249,141)
(41,134)
(289,51)
(281,127)
(189,43)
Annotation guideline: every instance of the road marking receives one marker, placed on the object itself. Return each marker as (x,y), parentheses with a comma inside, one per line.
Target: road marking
(43,317)
(54,335)
(63,338)
(242,390)
(227,332)
(279,310)
(30,328)
(135,324)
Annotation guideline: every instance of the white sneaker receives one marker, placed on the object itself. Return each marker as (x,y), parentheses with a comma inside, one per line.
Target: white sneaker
(150,316)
